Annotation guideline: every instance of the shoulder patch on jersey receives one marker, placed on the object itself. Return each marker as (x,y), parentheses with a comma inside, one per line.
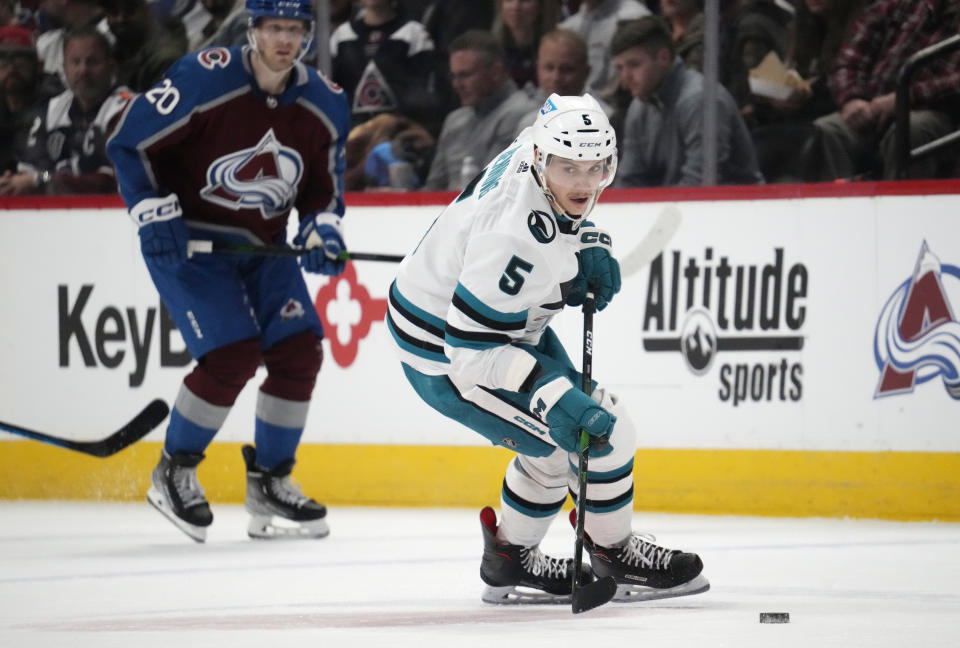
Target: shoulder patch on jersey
(330,84)
(542,226)
(214,57)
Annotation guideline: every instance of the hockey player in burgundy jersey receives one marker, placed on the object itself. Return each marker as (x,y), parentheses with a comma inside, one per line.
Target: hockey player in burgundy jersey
(470,312)
(223,148)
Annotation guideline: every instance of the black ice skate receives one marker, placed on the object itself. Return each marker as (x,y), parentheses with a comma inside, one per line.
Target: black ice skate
(175,492)
(645,571)
(507,568)
(277,506)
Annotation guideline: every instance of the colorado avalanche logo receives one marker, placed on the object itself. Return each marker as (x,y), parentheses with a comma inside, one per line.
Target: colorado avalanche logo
(917,337)
(293,309)
(263,177)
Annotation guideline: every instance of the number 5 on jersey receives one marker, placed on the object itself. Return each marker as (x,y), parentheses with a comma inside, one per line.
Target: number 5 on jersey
(511,281)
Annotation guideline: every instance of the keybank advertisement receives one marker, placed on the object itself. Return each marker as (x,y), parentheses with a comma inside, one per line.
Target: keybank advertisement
(812,324)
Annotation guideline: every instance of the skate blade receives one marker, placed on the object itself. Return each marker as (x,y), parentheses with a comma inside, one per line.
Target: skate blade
(194,532)
(272,527)
(516,595)
(631,593)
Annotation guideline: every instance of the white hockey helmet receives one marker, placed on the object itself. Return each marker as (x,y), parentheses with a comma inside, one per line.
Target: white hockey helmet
(573,128)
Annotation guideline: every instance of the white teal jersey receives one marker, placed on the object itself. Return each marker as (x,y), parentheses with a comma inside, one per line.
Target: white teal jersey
(489,274)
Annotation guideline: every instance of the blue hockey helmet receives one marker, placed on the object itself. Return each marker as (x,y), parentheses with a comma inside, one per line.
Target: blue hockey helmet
(297,9)
(293,9)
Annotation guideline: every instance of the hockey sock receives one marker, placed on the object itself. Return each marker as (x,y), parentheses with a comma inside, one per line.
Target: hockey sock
(186,437)
(278,428)
(528,504)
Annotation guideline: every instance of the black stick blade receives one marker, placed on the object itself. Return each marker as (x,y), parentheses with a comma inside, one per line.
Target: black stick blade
(594,594)
(150,417)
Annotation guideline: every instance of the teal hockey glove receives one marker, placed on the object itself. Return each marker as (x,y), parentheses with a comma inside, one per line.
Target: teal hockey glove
(598,271)
(567,410)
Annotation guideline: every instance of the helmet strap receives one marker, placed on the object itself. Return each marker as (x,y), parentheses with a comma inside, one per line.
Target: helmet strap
(540,175)
(304,45)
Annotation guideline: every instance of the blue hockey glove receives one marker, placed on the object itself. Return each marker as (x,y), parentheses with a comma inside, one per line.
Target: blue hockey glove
(598,271)
(567,410)
(163,234)
(321,236)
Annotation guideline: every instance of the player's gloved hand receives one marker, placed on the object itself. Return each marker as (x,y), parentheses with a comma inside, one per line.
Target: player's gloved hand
(320,234)
(598,271)
(567,410)
(163,234)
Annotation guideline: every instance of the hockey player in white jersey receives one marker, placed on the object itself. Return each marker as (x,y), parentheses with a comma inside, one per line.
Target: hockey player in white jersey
(469,313)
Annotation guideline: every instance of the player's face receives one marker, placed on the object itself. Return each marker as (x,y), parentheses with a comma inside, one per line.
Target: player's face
(279,41)
(640,71)
(574,182)
(559,69)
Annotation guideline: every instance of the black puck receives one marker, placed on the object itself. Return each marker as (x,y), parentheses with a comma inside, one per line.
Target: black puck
(774,617)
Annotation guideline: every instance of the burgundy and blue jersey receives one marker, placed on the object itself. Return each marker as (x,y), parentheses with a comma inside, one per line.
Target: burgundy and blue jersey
(238,159)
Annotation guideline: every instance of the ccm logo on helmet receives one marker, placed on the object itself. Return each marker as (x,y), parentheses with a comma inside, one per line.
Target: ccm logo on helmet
(589,144)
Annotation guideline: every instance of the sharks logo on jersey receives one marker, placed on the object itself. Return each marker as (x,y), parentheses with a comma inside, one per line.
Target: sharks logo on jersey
(263,177)
(541,226)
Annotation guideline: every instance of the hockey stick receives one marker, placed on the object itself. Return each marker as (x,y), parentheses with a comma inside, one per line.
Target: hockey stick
(653,243)
(590,595)
(211,247)
(151,416)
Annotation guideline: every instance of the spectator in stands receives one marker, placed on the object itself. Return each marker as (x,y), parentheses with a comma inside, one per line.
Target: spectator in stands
(19,73)
(685,18)
(65,151)
(519,25)
(864,80)
(144,48)
(818,30)
(562,68)
(596,22)
(445,20)
(663,130)
(8,13)
(490,114)
(387,151)
(201,19)
(64,16)
(750,30)
(385,63)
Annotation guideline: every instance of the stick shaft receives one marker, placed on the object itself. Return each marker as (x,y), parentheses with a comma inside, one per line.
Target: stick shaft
(584,451)
(211,247)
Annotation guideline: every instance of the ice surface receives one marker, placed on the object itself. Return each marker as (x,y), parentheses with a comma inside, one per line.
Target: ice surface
(103,575)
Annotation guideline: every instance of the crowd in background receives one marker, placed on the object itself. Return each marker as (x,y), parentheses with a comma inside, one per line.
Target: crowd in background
(438,87)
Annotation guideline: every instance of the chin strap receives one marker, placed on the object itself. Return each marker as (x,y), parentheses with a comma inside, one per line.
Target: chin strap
(575,220)
(304,45)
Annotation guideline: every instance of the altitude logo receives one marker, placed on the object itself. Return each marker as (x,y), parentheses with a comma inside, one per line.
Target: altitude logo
(700,307)
(917,337)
